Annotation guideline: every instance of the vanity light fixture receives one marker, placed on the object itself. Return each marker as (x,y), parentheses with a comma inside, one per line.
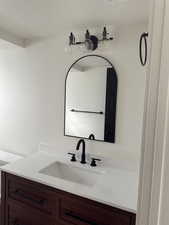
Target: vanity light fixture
(91,41)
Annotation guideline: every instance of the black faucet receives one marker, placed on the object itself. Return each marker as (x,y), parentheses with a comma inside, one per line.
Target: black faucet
(83,156)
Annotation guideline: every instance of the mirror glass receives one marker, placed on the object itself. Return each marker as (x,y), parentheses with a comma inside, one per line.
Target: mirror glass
(90,99)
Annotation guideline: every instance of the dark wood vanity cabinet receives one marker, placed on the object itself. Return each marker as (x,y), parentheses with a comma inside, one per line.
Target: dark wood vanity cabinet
(25,202)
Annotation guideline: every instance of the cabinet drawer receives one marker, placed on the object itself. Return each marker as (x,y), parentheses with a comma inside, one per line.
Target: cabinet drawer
(29,193)
(23,215)
(76,212)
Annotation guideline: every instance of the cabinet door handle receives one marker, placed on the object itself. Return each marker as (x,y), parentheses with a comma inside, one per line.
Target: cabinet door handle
(79,218)
(22,194)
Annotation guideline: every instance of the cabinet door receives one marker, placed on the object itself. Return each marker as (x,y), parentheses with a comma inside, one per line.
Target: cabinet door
(82,212)
(30,193)
(17,214)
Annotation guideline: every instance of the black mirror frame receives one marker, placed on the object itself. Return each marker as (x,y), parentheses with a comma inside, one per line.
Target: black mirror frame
(115,85)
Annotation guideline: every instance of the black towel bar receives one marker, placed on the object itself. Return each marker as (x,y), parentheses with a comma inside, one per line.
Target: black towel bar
(82,111)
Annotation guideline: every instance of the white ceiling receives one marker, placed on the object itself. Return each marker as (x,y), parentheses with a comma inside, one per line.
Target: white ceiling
(41,18)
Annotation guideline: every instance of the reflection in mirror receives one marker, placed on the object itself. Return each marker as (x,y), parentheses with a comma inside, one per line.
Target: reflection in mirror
(91,94)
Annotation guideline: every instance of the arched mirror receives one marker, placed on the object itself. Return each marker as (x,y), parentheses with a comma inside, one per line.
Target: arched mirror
(90,99)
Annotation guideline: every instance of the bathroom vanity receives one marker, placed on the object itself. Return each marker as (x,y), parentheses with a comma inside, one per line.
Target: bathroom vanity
(29,203)
(30,196)
(26,202)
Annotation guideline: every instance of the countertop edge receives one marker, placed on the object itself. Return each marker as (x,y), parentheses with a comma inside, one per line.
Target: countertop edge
(78,194)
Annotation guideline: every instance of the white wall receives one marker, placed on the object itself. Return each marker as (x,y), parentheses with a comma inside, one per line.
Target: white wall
(32,97)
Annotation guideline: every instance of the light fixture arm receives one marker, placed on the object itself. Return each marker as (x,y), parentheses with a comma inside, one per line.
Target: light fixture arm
(90,38)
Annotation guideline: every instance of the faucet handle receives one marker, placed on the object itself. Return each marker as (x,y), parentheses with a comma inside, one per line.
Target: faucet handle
(73,159)
(93,162)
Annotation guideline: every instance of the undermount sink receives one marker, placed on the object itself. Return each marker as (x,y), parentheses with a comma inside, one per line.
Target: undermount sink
(71,173)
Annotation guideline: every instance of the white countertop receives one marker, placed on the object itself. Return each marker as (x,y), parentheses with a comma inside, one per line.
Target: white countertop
(117,188)
(8,157)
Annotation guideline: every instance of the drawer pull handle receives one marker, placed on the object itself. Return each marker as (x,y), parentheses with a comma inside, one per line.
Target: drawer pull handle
(24,195)
(77,217)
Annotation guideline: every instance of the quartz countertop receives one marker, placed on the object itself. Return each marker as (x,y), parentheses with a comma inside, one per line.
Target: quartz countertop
(117,188)
(8,157)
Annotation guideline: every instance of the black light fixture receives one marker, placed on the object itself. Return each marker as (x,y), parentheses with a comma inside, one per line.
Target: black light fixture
(91,41)
(87,35)
(71,39)
(105,33)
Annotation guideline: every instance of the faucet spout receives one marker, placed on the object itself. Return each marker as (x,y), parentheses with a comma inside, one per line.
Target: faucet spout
(83,156)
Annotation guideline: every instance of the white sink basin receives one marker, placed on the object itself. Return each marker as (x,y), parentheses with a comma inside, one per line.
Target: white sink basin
(71,173)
